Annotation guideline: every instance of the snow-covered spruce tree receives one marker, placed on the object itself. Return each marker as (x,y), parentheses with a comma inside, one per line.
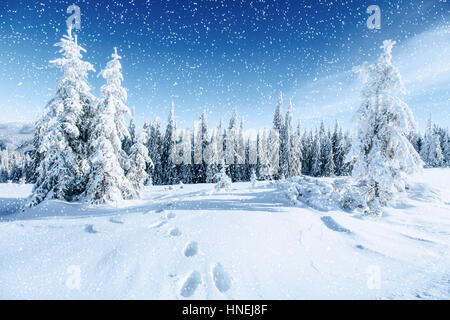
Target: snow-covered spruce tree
(168,174)
(260,151)
(213,156)
(285,140)
(240,149)
(295,153)
(383,155)
(154,146)
(316,165)
(326,153)
(231,146)
(250,159)
(200,144)
(338,148)
(278,121)
(139,160)
(278,125)
(106,178)
(431,151)
(40,126)
(443,142)
(63,145)
(445,145)
(223,180)
(273,154)
(265,171)
(187,174)
(130,137)
(307,143)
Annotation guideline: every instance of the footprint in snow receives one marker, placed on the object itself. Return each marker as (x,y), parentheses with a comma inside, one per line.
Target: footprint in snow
(175,232)
(191,249)
(190,284)
(171,215)
(115,221)
(221,279)
(89,228)
(331,224)
(158,224)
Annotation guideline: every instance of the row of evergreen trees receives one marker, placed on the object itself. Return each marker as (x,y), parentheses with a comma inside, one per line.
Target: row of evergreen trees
(279,152)
(433,147)
(15,167)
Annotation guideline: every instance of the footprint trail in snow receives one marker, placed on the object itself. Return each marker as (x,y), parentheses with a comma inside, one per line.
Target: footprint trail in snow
(190,284)
(191,249)
(221,279)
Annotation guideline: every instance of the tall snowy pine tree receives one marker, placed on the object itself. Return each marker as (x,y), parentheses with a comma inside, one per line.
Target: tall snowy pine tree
(63,145)
(107,181)
(383,154)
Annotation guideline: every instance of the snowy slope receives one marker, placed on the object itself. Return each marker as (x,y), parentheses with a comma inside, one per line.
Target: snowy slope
(194,242)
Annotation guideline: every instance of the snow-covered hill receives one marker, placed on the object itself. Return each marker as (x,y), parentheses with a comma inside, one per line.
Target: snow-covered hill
(194,242)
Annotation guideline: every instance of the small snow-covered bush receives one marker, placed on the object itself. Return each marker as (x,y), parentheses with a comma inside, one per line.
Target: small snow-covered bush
(224,181)
(324,194)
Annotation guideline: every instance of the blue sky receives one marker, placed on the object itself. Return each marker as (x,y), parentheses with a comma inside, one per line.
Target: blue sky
(217,55)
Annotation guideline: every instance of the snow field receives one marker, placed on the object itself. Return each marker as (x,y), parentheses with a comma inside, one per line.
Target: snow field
(245,243)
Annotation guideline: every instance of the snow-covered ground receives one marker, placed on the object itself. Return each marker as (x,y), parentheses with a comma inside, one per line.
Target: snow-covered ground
(195,242)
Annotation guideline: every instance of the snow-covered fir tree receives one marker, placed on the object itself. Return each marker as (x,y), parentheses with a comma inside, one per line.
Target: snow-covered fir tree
(37,154)
(63,143)
(273,154)
(285,141)
(295,156)
(130,137)
(168,174)
(431,151)
(223,180)
(108,161)
(383,155)
(326,153)
(315,156)
(154,146)
(231,146)
(278,121)
(240,149)
(307,143)
(139,160)
(338,149)
(201,143)
(213,156)
(278,125)
(260,151)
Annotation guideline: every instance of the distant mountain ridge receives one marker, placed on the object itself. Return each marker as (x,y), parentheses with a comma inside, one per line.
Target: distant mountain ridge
(16,136)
